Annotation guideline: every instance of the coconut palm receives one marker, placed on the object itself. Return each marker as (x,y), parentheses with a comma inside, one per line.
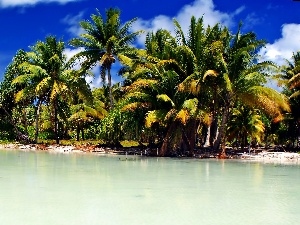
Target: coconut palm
(104,41)
(233,71)
(244,80)
(290,77)
(84,112)
(47,78)
(200,62)
(245,125)
(292,73)
(153,89)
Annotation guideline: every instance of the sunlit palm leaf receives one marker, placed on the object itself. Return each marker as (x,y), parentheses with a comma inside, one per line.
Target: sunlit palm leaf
(183,116)
(165,98)
(155,116)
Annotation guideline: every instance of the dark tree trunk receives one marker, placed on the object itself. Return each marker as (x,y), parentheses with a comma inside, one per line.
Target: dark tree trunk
(56,122)
(189,136)
(37,116)
(77,131)
(164,148)
(110,87)
(82,134)
(220,143)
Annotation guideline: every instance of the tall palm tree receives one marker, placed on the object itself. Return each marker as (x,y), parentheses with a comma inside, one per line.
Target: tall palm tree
(153,89)
(200,60)
(291,80)
(293,75)
(104,41)
(243,81)
(47,78)
(230,65)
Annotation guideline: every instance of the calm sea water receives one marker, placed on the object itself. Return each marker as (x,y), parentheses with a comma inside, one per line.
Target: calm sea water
(38,188)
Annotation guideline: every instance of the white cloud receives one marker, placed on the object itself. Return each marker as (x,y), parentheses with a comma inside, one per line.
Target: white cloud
(14,3)
(198,9)
(69,54)
(251,20)
(73,22)
(95,80)
(283,47)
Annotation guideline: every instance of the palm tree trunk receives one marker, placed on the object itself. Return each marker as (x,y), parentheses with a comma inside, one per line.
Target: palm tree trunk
(164,148)
(221,139)
(207,137)
(189,136)
(82,133)
(25,120)
(110,87)
(56,122)
(37,116)
(77,131)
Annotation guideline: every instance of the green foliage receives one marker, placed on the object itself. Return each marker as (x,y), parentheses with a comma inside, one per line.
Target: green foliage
(176,86)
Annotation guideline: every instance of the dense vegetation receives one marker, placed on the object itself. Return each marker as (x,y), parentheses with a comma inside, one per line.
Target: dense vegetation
(180,92)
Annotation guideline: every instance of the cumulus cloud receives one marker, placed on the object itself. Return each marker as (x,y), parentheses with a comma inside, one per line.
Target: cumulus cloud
(95,80)
(198,8)
(251,20)
(14,3)
(282,49)
(73,22)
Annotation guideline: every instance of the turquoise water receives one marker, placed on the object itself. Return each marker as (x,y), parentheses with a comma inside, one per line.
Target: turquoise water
(39,188)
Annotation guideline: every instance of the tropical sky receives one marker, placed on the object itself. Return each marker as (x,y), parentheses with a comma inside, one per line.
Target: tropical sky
(23,22)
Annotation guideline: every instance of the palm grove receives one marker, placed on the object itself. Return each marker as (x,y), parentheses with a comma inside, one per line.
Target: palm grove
(205,87)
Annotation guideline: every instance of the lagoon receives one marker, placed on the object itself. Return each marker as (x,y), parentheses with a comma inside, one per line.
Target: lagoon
(39,188)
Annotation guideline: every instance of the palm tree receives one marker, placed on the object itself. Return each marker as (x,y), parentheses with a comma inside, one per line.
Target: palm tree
(291,80)
(47,78)
(202,47)
(85,111)
(243,81)
(230,66)
(292,73)
(103,42)
(245,124)
(152,90)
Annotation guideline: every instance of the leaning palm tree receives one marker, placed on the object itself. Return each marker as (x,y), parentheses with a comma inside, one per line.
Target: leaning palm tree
(243,80)
(104,41)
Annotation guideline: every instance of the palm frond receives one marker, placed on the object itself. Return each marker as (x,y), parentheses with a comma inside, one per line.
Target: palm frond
(210,73)
(165,98)
(191,105)
(132,107)
(227,81)
(295,81)
(295,94)
(155,116)
(183,116)
(140,84)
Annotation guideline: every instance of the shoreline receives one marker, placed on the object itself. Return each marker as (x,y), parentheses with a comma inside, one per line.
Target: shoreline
(54,148)
(263,156)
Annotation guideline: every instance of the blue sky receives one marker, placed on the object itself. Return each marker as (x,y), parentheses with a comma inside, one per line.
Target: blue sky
(23,22)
